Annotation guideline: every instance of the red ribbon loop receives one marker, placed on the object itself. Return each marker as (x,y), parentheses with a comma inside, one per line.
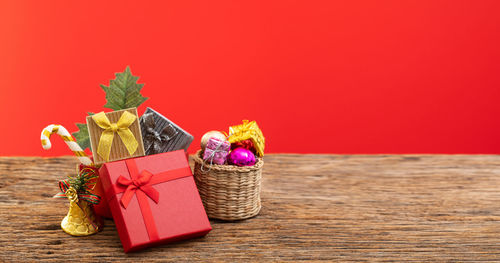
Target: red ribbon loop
(140,183)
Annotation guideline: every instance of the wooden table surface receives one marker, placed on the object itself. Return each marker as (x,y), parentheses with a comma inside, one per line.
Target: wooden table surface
(366,208)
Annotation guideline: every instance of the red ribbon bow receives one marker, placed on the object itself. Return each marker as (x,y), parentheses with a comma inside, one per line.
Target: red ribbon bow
(139,183)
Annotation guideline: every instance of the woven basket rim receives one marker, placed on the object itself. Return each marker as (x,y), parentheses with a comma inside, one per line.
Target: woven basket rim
(224,167)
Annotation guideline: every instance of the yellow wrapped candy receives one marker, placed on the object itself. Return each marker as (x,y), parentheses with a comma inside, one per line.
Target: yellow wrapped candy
(248,130)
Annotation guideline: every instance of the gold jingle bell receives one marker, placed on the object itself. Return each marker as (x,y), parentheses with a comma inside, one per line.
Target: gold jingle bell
(80,220)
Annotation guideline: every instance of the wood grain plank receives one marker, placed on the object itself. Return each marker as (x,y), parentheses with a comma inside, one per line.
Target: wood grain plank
(357,208)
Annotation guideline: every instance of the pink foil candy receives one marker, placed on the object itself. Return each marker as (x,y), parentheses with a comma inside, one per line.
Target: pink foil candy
(216,151)
(241,157)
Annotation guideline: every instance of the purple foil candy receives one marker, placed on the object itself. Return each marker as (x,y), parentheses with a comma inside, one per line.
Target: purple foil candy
(216,151)
(241,157)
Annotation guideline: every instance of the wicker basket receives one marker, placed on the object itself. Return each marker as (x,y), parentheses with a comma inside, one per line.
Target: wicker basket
(229,192)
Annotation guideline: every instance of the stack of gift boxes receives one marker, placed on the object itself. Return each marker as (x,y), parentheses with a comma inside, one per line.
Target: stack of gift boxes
(146,183)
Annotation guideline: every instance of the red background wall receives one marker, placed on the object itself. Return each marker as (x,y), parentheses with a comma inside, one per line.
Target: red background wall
(318,76)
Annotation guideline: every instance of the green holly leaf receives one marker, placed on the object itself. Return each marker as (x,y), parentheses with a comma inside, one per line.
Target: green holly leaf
(123,92)
(82,136)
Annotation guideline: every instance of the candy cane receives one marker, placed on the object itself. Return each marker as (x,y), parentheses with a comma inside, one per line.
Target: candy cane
(67,138)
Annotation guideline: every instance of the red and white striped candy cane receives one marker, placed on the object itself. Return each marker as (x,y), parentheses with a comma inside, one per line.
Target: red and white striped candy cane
(67,138)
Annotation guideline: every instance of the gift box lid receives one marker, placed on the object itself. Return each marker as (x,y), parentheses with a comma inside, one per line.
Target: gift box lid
(178,214)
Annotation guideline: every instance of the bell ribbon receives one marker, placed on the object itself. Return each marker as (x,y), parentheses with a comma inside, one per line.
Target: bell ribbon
(140,185)
(154,138)
(64,186)
(121,127)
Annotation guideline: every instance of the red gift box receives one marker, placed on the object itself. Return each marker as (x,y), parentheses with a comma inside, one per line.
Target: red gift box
(102,208)
(154,200)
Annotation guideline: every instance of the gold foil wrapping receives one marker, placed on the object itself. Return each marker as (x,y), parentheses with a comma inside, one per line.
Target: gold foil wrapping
(248,130)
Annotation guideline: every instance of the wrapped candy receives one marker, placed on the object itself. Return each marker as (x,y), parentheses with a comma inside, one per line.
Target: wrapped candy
(241,157)
(248,131)
(215,134)
(216,151)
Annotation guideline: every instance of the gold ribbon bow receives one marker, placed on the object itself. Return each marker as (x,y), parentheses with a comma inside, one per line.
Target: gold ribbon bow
(121,127)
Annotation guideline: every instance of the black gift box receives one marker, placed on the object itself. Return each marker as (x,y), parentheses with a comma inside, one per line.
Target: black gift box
(159,134)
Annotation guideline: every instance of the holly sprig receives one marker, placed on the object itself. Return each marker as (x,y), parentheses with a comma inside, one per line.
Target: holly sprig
(84,181)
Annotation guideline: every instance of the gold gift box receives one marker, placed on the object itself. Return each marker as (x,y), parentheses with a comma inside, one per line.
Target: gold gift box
(118,149)
(248,130)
